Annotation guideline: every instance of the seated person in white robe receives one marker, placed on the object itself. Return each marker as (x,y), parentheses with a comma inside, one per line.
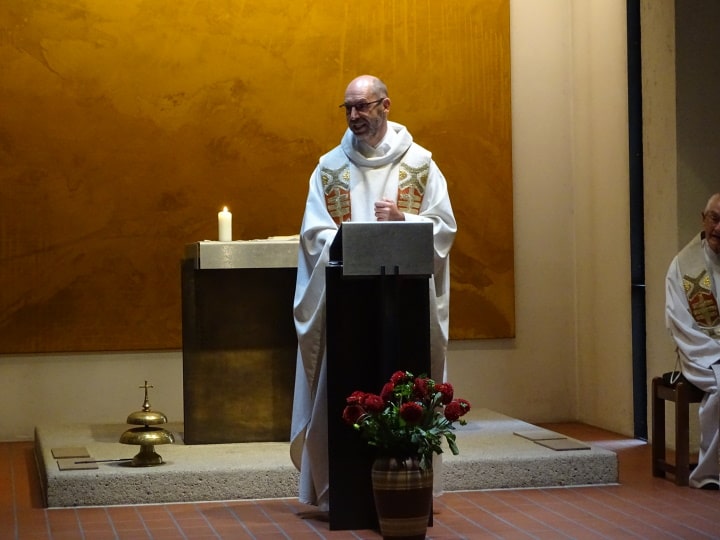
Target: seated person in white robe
(694,322)
(377,173)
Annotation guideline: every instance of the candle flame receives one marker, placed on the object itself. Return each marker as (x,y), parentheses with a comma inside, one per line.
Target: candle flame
(225,209)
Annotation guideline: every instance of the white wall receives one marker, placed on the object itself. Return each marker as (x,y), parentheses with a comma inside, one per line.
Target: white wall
(660,174)
(85,388)
(571,358)
(601,222)
(698,85)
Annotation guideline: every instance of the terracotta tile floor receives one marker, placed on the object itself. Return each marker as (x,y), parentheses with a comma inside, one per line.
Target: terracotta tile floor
(640,507)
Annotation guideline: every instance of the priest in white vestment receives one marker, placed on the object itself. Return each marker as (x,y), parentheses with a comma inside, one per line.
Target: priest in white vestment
(693,319)
(377,173)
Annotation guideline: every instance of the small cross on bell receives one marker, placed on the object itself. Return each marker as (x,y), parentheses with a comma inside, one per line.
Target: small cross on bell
(147,436)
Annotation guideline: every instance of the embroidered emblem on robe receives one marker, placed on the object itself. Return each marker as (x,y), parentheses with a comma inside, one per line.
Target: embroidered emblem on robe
(411,187)
(412,182)
(701,300)
(336,186)
(698,286)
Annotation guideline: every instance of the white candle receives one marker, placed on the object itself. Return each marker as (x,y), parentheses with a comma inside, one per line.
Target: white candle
(225,225)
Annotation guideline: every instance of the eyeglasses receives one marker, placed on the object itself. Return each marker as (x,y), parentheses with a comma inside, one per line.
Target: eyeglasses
(361,107)
(713,217)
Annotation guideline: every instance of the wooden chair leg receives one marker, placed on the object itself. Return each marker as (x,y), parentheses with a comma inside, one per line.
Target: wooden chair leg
(682,436)
(658,431)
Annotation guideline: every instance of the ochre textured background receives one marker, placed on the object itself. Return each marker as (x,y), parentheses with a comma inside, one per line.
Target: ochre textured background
(126,126)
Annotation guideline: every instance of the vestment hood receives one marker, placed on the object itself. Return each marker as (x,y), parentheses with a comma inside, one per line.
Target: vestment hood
(399,145)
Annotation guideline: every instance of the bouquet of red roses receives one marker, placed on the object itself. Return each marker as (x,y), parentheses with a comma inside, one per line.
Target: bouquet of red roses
(410,417)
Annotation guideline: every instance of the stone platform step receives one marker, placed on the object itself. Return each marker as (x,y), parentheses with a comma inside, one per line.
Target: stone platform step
(496,452)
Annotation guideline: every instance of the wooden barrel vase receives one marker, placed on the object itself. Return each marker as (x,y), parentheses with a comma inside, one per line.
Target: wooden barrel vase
(403,498)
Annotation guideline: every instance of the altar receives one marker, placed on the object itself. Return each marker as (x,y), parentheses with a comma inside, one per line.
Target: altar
(239,340)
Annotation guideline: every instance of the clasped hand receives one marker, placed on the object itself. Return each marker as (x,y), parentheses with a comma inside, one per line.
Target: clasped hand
(387,210)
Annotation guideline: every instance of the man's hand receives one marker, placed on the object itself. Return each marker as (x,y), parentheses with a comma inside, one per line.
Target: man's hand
(387,210)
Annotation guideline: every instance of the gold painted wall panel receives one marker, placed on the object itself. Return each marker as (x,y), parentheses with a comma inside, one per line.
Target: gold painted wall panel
(126,126)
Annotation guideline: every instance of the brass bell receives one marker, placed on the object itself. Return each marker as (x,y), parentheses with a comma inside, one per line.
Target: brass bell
(147,436)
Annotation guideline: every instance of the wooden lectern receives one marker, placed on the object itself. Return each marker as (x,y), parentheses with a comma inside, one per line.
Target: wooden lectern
(378,322)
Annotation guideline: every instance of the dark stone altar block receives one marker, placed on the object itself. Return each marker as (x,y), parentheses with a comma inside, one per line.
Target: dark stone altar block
(376,324)
(239,348)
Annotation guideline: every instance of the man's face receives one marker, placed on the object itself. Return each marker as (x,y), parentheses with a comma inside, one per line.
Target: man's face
(711,225)
(366,113)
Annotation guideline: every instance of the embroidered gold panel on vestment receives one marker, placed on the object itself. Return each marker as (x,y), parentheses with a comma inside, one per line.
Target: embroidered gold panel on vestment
(702,302)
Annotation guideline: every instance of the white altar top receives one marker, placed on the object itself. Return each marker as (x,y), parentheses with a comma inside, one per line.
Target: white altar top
(272,252)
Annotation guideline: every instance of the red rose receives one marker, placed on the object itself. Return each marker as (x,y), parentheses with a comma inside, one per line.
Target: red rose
(356,398)
(398,377)
(411,412)
(465,404)
(453,411)
(374,404)
(420,388)
(387,391)
(447,391)
(352,414)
